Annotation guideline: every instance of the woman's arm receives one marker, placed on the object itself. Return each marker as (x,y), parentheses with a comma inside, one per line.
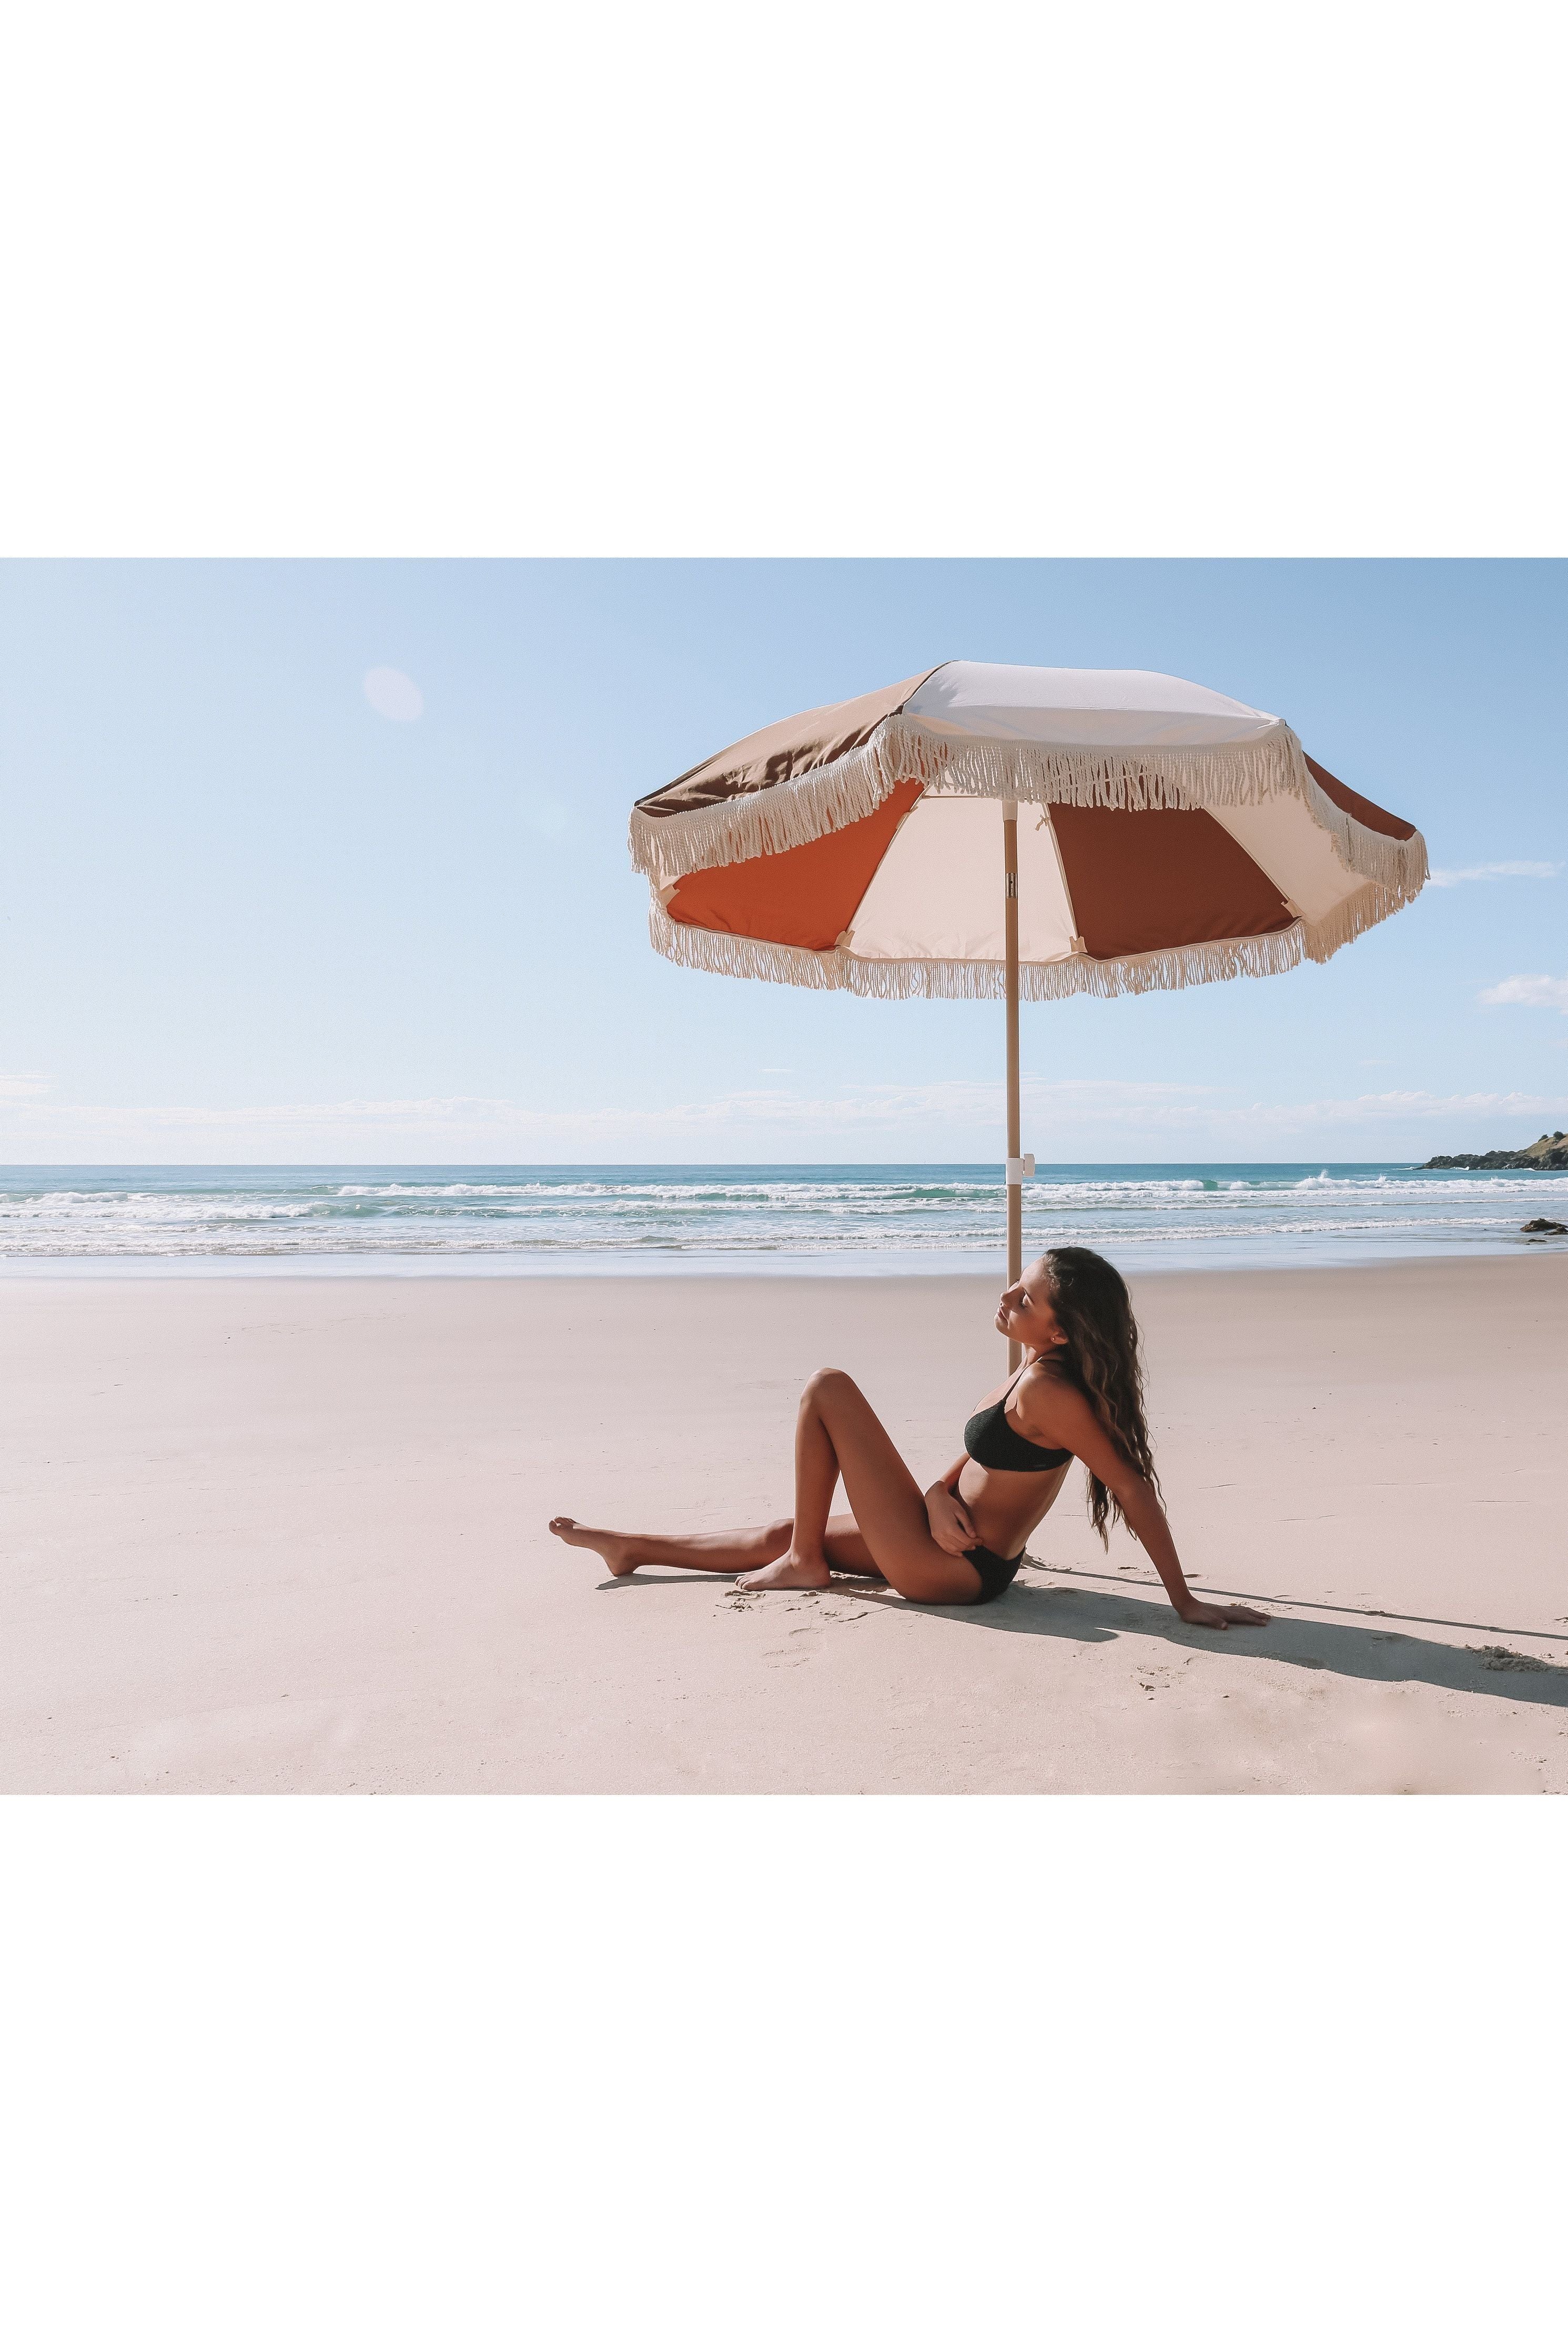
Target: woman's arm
(951,1525)
(1140,1506)
(1064,1416)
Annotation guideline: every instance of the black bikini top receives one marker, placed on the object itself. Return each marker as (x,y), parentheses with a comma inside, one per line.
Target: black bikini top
(991,1439)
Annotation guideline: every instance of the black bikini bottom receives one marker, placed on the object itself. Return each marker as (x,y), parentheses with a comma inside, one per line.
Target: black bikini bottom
(996,1575)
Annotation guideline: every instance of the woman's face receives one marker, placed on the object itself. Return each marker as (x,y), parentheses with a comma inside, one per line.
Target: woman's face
(1025,1313)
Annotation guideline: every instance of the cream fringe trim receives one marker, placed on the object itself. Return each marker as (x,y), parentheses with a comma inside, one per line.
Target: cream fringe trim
(723,951)
(788,815)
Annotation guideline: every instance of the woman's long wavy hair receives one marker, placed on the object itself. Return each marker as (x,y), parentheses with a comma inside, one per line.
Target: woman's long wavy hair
(1102,1357)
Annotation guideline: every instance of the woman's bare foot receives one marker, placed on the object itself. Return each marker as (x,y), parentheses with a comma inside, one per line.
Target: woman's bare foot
(617,1551)
(789,1574)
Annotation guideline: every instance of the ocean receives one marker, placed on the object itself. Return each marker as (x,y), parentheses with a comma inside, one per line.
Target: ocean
(785,1220)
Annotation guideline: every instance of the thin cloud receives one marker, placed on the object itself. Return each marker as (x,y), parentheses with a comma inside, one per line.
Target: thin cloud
(1091,1114)
(395,695)
(551,819)
(1368,1114)
(1528,869)
(1536,988)
(1404,1104)
(451,1126)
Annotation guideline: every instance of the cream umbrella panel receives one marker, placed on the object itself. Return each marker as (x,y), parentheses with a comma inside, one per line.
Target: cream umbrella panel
(986,830)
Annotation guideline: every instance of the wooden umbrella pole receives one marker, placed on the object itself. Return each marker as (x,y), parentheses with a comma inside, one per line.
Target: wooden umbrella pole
(1015,1145)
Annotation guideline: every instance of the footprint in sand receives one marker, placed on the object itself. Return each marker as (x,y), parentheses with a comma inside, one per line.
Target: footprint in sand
(809,1602)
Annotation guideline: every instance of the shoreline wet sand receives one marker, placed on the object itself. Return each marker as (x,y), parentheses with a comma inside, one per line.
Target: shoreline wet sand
(291,1536)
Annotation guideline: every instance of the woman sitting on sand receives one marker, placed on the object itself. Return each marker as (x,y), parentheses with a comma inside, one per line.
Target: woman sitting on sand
(1080,1393)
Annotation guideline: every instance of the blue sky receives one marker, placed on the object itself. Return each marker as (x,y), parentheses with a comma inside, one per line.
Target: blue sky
(247,916)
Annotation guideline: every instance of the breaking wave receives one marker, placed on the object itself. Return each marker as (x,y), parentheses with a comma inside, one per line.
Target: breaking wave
(1197,1215)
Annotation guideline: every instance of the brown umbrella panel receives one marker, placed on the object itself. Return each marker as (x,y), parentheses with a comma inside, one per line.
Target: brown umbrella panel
(1165,834)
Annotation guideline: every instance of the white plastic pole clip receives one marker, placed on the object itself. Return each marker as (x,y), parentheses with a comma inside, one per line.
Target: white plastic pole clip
(1021,1170)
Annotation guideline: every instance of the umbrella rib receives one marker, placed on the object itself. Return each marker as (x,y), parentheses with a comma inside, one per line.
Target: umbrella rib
(1074,932)
(846,935)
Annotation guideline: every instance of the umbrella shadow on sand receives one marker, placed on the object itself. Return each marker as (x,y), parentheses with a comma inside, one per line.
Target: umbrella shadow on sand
(1076,1612)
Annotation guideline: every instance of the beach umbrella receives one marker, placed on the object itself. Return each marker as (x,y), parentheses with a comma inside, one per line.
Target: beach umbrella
(986,830)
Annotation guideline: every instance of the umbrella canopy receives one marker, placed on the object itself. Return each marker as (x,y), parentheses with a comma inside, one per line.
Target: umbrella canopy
(1170,835)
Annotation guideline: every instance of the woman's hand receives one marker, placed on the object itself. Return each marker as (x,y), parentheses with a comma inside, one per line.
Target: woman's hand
(951,1525)
(1198,1613)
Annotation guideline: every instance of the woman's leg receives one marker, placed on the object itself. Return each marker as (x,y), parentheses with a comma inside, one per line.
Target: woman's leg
(837,1435)
(724,1554)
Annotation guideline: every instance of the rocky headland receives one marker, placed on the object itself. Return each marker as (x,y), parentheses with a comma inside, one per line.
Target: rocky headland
(1549,1152)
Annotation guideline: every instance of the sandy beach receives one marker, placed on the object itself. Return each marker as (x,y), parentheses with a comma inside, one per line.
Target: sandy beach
(290,1534)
